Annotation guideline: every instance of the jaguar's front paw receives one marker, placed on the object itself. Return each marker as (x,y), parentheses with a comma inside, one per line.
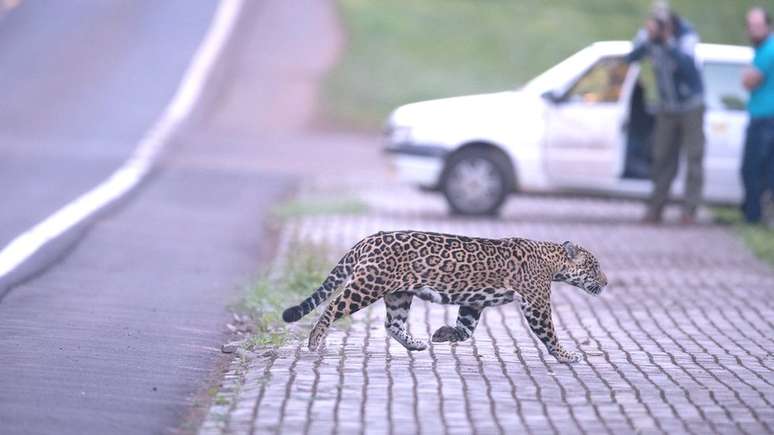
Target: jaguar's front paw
(568,357)
(416,345)
(446,333)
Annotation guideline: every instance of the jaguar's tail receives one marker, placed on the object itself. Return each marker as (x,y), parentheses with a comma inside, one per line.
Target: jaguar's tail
(336,277)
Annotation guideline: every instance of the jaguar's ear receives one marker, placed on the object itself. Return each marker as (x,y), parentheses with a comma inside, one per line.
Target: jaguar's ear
(570,250)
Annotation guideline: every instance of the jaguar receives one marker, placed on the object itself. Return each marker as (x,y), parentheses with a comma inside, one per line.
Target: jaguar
(474,273)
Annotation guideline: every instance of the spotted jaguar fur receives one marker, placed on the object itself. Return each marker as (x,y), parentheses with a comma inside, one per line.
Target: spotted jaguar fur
(473,273)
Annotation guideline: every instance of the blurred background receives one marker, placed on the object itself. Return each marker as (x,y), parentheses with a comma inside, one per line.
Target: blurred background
(404,51)
(342,71)
(302,97)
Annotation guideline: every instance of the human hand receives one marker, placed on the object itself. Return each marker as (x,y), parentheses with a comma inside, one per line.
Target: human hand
(653,30)
(751,78)
(658,32)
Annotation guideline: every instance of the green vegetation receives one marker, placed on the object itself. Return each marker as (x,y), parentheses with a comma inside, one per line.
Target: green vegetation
(319,205)
(758,238)
(305,268)
(401,51)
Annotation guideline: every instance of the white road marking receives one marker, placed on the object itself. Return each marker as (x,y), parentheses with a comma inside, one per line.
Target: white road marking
(145,154)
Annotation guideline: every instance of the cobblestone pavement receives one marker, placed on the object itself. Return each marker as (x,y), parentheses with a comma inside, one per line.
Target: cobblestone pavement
(682,340)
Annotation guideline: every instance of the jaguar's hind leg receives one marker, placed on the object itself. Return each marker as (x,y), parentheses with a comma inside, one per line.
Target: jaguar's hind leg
(467,320)
(353,297)
(398,305)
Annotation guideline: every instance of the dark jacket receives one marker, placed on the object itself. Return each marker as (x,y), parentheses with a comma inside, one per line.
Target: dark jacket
(678,74)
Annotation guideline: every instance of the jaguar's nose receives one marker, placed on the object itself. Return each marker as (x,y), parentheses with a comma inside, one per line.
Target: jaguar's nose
(602,278)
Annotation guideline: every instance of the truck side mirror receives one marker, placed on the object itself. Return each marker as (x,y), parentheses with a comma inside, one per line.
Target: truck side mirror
(552,95)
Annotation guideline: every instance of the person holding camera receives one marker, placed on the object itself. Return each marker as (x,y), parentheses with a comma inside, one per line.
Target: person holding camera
(758,157)
(670,43)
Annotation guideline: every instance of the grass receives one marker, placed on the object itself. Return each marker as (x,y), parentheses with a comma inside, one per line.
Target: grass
(317,206)
(305,268)
(758,238)
(401,51)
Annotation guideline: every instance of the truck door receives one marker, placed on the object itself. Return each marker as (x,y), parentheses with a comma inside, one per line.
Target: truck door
(586,126)
(725,121)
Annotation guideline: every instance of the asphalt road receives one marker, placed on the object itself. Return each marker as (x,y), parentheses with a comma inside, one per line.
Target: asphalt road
(119,328)
(81,82)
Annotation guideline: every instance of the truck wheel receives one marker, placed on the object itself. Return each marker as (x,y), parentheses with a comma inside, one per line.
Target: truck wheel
(476,182)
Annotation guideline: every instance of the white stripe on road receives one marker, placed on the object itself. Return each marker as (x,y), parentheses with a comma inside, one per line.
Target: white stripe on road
(145,154)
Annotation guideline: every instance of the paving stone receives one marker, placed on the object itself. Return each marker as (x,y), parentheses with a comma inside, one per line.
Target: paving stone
(682,341)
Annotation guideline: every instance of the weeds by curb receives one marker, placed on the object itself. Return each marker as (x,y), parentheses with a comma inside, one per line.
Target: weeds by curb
(758,238)
(318,205)
(298,274)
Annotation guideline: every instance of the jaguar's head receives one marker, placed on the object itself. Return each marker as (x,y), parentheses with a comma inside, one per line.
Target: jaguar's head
(580,268)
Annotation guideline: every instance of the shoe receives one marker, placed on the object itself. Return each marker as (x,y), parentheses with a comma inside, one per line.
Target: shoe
(651,219)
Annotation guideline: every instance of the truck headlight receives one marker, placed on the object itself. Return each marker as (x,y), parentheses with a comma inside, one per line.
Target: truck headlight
(398,134)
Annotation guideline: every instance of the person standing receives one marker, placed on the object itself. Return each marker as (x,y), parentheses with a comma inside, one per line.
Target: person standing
(670,43)
(758,157)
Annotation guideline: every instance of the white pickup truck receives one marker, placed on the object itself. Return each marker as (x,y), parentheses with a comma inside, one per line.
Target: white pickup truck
(583,125)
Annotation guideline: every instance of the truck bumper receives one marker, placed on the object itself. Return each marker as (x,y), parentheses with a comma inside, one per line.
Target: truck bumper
(418,164)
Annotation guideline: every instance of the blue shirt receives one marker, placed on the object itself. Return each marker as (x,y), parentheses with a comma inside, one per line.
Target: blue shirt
(761,104)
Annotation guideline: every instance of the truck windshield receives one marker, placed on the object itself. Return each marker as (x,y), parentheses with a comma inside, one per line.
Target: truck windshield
(560,75)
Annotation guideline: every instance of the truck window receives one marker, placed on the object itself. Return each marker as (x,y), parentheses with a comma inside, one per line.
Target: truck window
(723,86)
(648,81)
(601,83)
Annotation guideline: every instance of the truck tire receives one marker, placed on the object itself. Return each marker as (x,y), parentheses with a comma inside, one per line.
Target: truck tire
(476,182)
